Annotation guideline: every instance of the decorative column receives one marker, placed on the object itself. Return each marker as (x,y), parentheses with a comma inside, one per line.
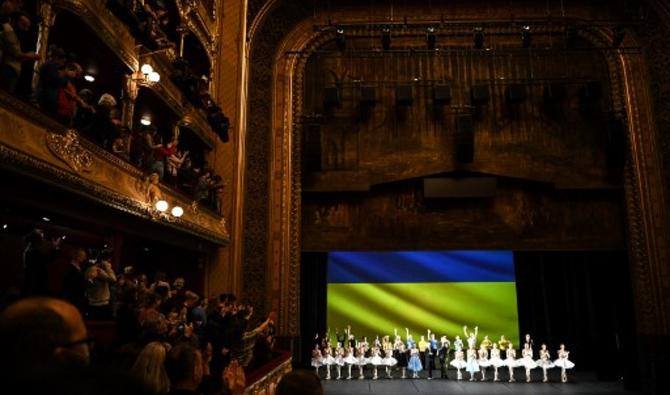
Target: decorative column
(130,90)
(47,15)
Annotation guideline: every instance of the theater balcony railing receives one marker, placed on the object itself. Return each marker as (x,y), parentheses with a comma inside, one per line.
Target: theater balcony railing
(35,145)
(264,380)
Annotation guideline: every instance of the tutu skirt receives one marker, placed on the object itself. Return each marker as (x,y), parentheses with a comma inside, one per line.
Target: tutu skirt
(564,363)
(316,362)
(484,363)
(415,364)
(328,360)
(545,363)
(496,362)
(376,360)
(527,362)
(472,366)
(351,360)
(389,361)
(458,363)
(511,362)
(362,361)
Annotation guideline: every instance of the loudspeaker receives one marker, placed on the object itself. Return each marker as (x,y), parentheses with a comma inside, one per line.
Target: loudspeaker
(403,95)
(515,93)
(554,92)
(480,95)
(368,96)
(331,97)
(442,94)
(465,140)
(311,148)
(615,145)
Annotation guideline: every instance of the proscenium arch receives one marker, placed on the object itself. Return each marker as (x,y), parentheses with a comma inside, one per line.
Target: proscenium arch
(643,184)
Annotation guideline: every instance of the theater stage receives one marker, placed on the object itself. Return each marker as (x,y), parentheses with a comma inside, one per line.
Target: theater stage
(582,383)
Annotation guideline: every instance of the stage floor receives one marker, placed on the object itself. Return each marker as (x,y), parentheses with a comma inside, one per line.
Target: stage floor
(580,383)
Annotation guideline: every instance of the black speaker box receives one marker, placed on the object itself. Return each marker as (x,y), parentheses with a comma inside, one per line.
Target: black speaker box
(331,97)
(515,93)
(442,94)
(480,94)
(311,148)
(368,96)
(403,95)
(465,140)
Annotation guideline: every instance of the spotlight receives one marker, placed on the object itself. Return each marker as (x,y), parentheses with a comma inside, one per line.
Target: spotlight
(177,211)
(386,38)
(526,38)
(340,39)
(618,35)
(162,206)
(478,37)
(146,120)
(431,38)
(89,78)
(46,219)
(4,226)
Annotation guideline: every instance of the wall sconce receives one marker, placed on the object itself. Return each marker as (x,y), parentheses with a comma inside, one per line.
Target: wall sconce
(162,211)
(147,75)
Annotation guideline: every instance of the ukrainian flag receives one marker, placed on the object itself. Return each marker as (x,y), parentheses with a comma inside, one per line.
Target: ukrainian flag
(375,292)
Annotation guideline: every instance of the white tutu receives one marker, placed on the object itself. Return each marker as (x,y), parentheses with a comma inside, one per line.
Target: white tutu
(496,362)
(376,360)
(316,362)
(545,363)
(511,362)
(328,360)
(389,361)
(351,360)
(526,362)
(564,363)
(339,361)
(458,363)
(472,366)
(362,361)
(484,363)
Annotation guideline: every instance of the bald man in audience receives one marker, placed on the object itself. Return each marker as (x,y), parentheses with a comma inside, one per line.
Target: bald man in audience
(41,333)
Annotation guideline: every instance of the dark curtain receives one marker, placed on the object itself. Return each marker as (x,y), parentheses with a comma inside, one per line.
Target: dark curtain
(313,286)
(583,299)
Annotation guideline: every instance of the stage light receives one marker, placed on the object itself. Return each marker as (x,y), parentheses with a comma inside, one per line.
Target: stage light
(146,69)
(154,77)
(478,37)
(4,226)
(63,237)
(431,38)
(386,38)
(177,211)
(46,219)
(146,120)
(340,39)
(526,38)
(89,78)
(162,206)
(618,35)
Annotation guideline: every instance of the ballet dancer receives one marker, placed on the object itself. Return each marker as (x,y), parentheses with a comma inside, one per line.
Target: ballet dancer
(563,362)
(527,360)
(471,337)
(472,366)
(317,358)
(375,360)
(350,360)
(510,361)
(483,360)
(443,356)
(545,362)
(401,356)
(339,360)
(328,360)
(414,362)
(496,361)
(458,362)
(361,361)
(389,362)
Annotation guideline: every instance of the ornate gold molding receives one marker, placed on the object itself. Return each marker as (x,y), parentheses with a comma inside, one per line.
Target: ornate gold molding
(67,148)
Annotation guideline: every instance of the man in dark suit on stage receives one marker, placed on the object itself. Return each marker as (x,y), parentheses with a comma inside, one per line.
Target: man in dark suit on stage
(443,356)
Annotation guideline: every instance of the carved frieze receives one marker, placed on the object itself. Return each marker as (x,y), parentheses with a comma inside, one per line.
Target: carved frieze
(67,148)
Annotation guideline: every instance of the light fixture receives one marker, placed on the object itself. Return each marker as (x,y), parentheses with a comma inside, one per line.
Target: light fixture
(162,206)
(147,75)
(386,38)
(177,211)
(526,38)
(431,38)
(89,78)
(478,37)
(340,39)
(46,219)
(146,69)
(146,120)
(4,226)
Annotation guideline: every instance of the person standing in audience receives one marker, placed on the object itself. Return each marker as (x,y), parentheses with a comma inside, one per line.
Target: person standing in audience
(10,47)
(104,128)
(101,275)
(184,369)
(149,368)
(51,80)
(74,283)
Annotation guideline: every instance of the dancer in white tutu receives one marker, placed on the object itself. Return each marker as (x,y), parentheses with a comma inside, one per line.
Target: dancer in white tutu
(563,362)
(527,360)
(483,360)
(362,361)
(471,337)
(375,360)
(510,361)
(414,362)
(459,363)
(328,360)
(317,358)
(458,343)
(472,366)
(544,362)
(350,360)
(389,362)
(339,360)
(496,361)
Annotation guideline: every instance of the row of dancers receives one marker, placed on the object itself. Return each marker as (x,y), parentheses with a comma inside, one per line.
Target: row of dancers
(409,356)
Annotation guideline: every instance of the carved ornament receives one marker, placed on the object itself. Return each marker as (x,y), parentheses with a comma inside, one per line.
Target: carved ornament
(67,148)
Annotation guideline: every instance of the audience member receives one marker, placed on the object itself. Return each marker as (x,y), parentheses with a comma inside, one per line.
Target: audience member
(185,369)
(74,286)
(300,382)
(10,47)
(149,368)
(105,128)
(51,80)
(100,276)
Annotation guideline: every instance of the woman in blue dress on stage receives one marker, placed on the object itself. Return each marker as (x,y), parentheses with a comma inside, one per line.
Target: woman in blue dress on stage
(414,362)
